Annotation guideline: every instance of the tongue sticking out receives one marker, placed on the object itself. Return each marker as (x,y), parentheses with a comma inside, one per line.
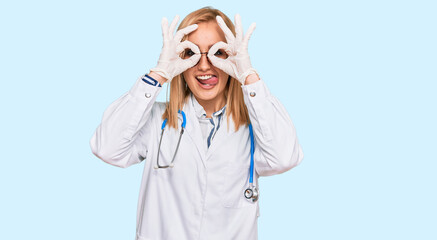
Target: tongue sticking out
(212,81)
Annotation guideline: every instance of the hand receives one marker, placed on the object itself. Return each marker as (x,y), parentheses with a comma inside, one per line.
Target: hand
(238,63)
(170,64)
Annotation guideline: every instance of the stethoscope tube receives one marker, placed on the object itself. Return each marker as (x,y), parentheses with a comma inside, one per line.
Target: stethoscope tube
(184,121)
(251,193)
(252,151)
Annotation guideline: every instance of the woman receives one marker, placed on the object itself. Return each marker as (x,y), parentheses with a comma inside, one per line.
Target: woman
(196,180)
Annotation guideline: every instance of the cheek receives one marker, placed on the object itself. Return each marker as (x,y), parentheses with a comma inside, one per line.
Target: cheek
(187,76)
(190,81)
(224,78)
(186,73)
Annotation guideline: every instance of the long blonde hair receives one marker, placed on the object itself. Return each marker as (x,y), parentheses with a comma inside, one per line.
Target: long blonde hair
(179,90)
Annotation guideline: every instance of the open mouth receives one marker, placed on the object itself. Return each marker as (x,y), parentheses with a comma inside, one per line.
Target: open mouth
(207,81)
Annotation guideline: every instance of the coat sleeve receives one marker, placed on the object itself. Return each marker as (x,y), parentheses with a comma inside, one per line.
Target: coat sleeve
(277,149)
(119,139)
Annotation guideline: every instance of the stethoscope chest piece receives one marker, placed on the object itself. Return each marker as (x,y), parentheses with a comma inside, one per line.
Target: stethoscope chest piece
(251,193)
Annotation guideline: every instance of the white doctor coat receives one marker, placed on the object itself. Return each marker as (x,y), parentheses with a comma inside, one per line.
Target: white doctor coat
(201,197)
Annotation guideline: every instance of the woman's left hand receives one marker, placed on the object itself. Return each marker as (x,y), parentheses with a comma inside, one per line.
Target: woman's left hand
(238,62)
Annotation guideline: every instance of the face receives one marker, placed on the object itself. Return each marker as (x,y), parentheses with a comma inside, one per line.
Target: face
(205,81)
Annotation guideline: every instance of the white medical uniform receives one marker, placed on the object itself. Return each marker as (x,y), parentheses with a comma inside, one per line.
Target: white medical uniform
(201,197)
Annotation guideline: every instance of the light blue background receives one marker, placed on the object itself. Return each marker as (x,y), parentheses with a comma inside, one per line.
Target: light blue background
(357,77)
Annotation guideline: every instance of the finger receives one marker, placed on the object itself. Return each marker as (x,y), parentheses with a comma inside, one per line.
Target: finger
(164,27)
(173,25)
(225,65)
(218,62)
(187,44)
(189,62)
(222,64)
(216,47)
(184,31)
(249,32)
(228,33)
(238,27)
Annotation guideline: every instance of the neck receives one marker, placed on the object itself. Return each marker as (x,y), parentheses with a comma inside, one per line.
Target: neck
(213,105)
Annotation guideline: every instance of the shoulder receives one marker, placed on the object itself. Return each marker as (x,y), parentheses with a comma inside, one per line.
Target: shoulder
(158,108)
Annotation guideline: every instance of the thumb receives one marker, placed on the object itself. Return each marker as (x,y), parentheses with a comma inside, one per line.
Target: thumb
(184,64)
(224,64)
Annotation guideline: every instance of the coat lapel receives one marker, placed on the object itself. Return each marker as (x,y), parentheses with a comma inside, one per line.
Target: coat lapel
(192,129)
(222,134)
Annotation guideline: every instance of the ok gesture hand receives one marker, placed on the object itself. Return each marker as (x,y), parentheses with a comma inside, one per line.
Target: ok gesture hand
(170,64)
(238,63)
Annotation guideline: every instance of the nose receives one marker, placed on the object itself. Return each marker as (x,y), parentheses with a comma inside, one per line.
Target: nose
(204,63)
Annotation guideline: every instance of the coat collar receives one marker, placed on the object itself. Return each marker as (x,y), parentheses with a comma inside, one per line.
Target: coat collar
(200,112)
(226,130)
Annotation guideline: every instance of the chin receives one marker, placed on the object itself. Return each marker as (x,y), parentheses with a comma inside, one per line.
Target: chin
(205,96)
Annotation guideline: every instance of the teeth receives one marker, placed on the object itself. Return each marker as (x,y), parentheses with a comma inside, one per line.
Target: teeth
(204,77)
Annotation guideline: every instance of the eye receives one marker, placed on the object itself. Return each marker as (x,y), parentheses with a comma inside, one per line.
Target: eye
(219,53)
(189,53)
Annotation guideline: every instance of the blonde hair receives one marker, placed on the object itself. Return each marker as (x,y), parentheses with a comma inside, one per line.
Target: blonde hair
(179,90)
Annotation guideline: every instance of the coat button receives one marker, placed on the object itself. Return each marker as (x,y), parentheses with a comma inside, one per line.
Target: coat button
(148,95)
(252,94)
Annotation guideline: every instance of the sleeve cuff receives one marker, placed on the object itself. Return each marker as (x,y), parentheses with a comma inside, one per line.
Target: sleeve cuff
(149,80)
(256,91)
(142,91)
(256,97)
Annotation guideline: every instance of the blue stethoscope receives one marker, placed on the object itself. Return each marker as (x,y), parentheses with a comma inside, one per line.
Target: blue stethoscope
(251,193)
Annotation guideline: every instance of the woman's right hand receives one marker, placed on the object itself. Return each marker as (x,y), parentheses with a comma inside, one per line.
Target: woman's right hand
(170,64)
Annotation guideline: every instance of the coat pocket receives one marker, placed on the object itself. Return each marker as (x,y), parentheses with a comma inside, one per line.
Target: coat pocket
(235,182)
